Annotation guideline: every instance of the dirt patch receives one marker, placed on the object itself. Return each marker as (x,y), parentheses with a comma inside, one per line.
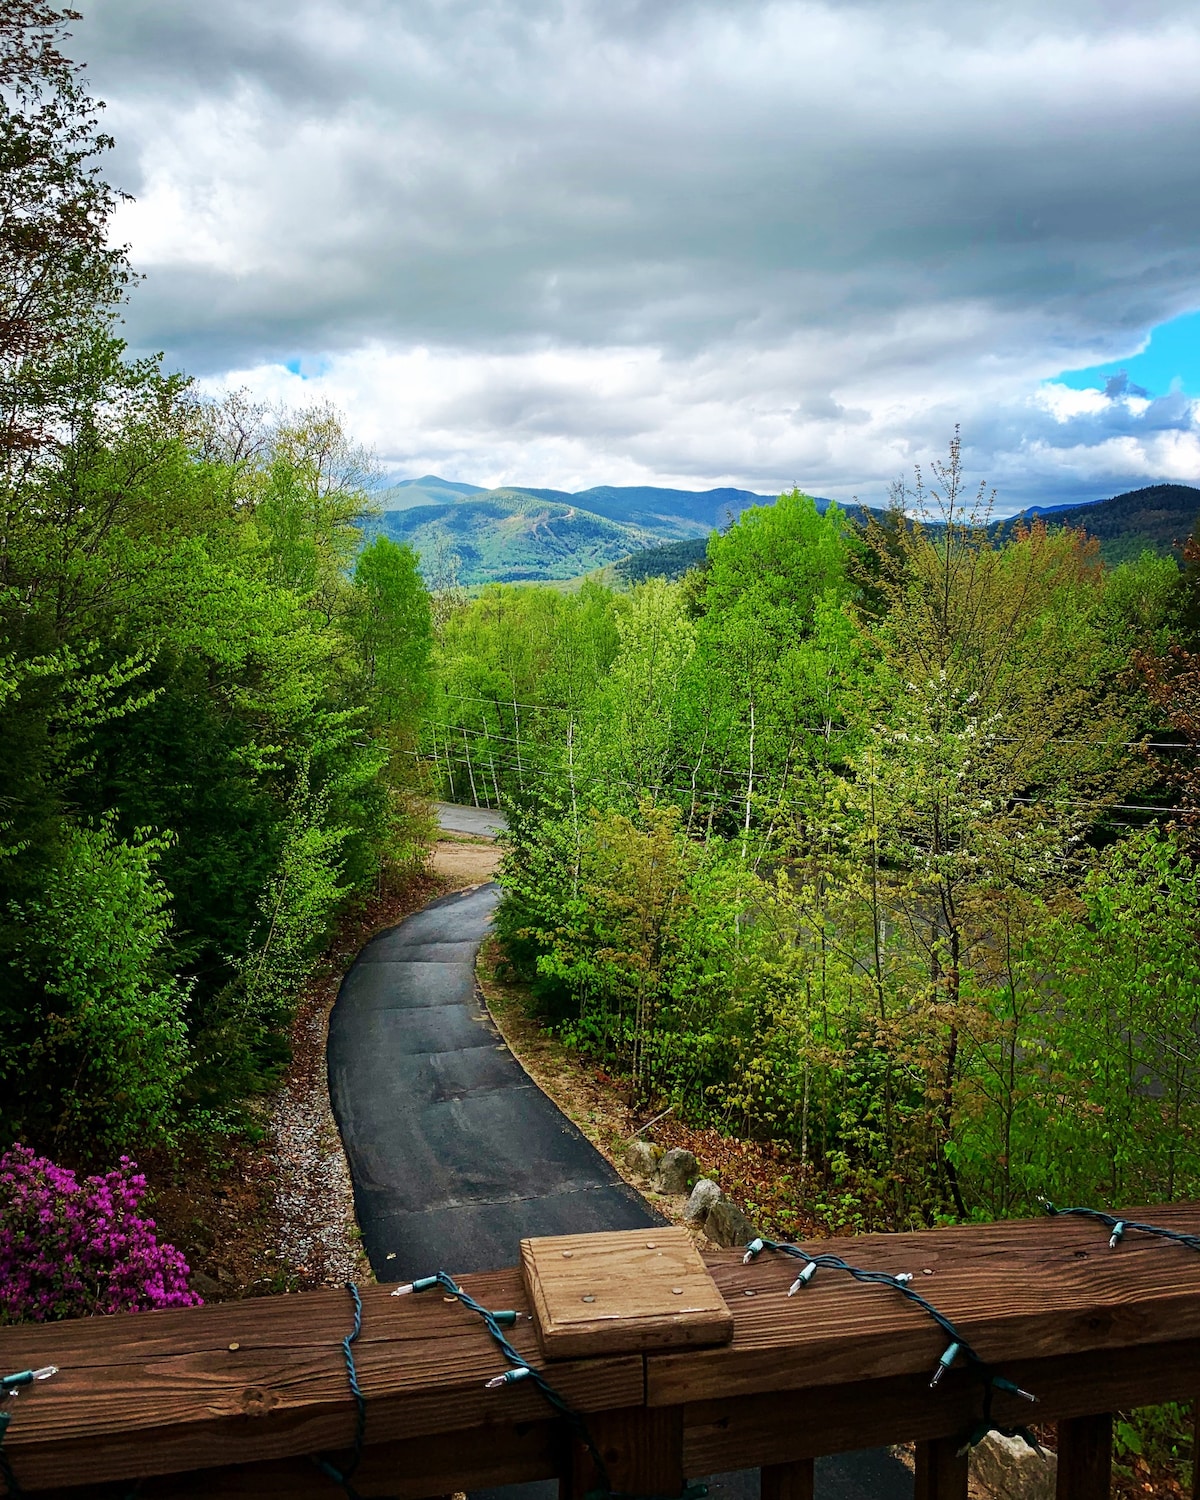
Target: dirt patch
(462,862)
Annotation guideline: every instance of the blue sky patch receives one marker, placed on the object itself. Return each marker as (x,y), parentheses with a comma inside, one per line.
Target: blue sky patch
(1169,362)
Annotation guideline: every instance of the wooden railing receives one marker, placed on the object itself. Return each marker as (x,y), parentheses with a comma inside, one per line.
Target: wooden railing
(228,1400)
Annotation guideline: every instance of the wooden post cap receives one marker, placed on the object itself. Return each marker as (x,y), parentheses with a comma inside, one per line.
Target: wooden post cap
(621,1293)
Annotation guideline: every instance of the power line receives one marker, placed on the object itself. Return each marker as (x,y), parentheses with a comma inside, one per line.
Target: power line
(822,729)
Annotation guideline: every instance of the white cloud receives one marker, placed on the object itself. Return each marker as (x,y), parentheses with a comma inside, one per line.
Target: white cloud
(753,241)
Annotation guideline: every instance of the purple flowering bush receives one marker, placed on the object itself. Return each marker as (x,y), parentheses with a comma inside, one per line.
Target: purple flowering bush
(69,1248)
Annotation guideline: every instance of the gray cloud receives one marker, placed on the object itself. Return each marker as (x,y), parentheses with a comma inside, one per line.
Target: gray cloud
(837,227)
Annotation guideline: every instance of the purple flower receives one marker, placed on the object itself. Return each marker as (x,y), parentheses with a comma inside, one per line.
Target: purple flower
(70,1249)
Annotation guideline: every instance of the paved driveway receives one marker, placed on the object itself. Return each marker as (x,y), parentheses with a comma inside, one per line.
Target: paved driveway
(455,1153)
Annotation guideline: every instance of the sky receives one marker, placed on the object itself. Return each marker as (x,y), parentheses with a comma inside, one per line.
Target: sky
(685,242)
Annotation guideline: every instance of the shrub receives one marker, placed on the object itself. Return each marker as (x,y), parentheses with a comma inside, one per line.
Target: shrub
(71,1248)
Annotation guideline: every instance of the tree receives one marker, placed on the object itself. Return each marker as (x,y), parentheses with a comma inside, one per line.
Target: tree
(994,737)
(773,576)
(393,631)
(58,273)
(95,1051)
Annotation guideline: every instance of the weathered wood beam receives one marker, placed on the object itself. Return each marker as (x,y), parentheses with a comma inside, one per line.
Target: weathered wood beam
(751,1431)
(1085,1458)
(642,1452)
(941,1474)
(841,1365)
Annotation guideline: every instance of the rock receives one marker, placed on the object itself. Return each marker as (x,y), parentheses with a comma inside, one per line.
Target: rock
(204,1285)
(704,1195)
(727,1225)
(676,1171)
(641,1158)
(1009,1469)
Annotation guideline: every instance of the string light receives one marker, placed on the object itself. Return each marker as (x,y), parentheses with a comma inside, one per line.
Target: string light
(902,1283)
(10,1387)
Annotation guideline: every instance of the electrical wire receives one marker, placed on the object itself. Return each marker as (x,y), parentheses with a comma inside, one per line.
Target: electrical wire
(956,1347)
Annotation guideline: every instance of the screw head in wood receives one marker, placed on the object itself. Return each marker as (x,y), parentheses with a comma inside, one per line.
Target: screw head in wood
(678,1290)
(234,1347)
(587,1297)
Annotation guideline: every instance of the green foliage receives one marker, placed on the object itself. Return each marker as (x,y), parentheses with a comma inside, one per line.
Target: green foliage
(208,728)
(671,560)
(511,537)
(827,844)
(93,1041)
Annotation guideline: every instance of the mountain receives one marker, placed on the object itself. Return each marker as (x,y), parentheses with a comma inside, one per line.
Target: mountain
(508,536)
(648,505)
(674,559)
(1157,518)
(518,534)
(428,490)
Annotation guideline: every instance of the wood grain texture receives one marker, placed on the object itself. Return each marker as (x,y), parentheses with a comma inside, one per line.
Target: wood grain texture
(642,1451)
(728,1433)
(412,1470)
(1085,1459)
(1018,1291)
(941,1474)
(163,1392)
(623,1292)
(839,1366)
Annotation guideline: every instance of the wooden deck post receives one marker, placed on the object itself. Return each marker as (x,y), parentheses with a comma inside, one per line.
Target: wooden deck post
(792,1481)
(642,1448)
(941,1473)
(1085,1458)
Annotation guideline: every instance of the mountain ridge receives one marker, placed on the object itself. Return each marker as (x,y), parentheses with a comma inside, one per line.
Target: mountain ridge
(534,534)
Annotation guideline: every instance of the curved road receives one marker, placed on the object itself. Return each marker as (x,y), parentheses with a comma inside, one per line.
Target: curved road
(455,1153)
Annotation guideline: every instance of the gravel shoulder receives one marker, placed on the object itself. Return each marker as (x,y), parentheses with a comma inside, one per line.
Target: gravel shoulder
(317,1234)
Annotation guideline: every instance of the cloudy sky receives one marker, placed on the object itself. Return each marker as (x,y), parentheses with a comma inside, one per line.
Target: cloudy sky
(692,242)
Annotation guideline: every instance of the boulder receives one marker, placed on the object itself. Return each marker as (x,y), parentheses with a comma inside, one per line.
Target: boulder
(641,1158)
(1009,1469)
(204,1285)
(726,1225)
(704,1195)
(676,1171)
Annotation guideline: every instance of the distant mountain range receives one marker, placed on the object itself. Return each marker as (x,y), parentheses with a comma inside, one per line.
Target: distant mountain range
(527,535)
(1158,518)
(523,534)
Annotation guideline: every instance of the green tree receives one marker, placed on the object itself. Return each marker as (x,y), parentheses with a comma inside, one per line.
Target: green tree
(94,1049)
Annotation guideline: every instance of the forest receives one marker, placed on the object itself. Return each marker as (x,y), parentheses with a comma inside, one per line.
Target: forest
(872,838)
(869,840)
(207,686)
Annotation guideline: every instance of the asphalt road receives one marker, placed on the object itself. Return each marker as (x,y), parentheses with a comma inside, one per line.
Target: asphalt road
(456,1154)
(478,822)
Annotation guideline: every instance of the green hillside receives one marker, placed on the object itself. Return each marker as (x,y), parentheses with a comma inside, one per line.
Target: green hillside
(671,560)
(1157,518)
(507,536)
(532,535)
(527,535)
